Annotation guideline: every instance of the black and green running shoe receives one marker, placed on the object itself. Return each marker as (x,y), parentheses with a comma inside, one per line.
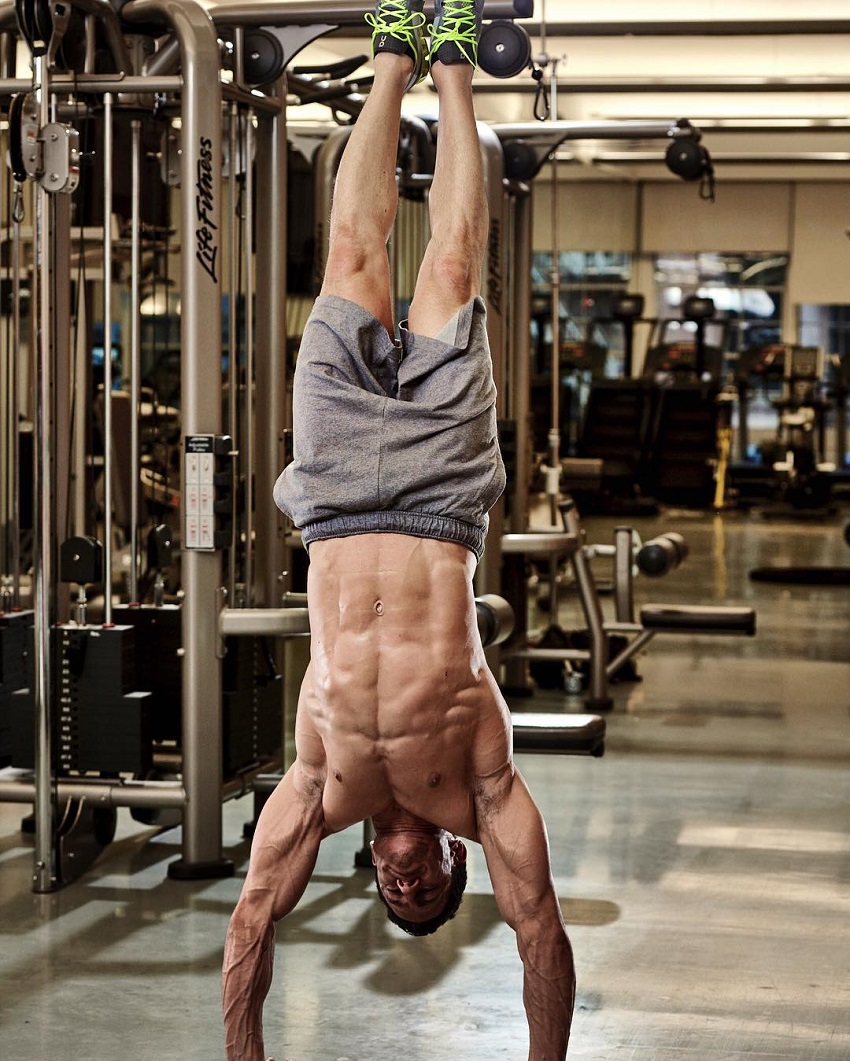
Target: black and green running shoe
(455,32)
(398,26)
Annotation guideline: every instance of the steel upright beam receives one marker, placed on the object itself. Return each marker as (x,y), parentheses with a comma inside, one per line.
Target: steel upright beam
(271,366)
(520,388)
(200,200)
(488,577)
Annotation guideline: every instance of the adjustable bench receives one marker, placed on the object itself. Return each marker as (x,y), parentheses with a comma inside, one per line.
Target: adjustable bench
(659,556)
(698,619)
(556,734)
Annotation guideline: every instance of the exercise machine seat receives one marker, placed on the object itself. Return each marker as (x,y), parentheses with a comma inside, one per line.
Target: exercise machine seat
(558,734)
(698,619)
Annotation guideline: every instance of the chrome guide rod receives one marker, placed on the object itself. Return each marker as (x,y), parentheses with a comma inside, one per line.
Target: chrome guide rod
(108,441)
(248,464)
(135,353)
(46,871)
(232,338)
(15,400)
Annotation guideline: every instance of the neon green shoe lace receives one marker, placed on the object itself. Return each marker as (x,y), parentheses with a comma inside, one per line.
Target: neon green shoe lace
(457,24)
(394,18)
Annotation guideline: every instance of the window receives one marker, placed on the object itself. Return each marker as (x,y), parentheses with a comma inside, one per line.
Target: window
(747,290)
(590,282)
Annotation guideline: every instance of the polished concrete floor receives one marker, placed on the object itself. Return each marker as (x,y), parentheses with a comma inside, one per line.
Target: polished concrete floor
(703,867)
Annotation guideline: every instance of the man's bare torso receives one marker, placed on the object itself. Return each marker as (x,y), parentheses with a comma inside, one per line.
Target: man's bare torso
(398,706)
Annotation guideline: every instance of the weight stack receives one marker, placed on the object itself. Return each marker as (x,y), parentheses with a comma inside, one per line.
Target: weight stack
(238,705)
(15,675)
(268,731)
(104,725)
(252,720)
(158,639)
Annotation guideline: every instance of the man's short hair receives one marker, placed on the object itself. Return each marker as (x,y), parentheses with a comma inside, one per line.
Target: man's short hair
(426,928)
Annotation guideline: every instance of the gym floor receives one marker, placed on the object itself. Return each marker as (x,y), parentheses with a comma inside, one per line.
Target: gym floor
(703,866)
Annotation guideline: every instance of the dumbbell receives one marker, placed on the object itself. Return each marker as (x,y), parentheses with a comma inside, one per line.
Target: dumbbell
(661,555)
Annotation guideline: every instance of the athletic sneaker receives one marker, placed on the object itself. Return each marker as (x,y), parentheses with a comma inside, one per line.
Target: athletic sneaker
(398,26)
(455,32)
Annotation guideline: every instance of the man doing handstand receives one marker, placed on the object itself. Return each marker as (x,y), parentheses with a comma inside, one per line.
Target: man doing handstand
(396,464)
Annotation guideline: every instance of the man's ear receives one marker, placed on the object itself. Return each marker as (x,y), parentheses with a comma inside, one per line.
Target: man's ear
(458,850)
(372,850)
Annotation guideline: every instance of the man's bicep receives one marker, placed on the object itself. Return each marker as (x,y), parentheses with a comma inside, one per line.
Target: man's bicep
(516,847)
(286,845)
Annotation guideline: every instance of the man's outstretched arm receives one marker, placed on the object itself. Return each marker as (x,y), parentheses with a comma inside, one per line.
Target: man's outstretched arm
(283,855)
(513,835)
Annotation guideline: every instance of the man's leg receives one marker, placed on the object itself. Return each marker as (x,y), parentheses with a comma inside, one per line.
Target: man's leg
(365,194)
(451,267)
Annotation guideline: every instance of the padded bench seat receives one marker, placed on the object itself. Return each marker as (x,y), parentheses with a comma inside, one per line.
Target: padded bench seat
(698,619)
(540,543)
(558,734)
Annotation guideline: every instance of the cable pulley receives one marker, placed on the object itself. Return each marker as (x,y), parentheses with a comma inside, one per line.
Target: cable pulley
(264,59)
(504,49)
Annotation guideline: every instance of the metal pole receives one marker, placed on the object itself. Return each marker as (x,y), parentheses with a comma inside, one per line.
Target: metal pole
(488,575)
(46,871)
(135,352)
(623,583)
(313,12)
(107,359)
(271,341)
(248,464)
(553,471)
(102,794)
(553,480)
(15,399)
(599,698)
(232,337)
(200,326)
(521,389)
(557,131)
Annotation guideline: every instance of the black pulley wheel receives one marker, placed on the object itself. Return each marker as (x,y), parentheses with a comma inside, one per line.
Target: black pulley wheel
(504,49)
(16,152)
(263,57)
(521,161)
(686,158)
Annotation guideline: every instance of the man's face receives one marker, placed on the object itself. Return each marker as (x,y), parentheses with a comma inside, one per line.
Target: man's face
(415,872)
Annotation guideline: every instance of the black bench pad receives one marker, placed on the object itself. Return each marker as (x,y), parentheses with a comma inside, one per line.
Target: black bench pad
(698,619)
(559,734)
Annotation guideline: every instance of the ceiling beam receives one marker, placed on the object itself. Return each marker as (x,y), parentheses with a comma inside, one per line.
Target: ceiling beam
(634,85)
(709,28)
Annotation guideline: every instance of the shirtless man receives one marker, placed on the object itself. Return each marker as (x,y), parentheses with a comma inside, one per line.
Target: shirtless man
(396,466)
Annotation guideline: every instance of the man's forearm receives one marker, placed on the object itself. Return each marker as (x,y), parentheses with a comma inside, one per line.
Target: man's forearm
(548,992)
(246,978)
